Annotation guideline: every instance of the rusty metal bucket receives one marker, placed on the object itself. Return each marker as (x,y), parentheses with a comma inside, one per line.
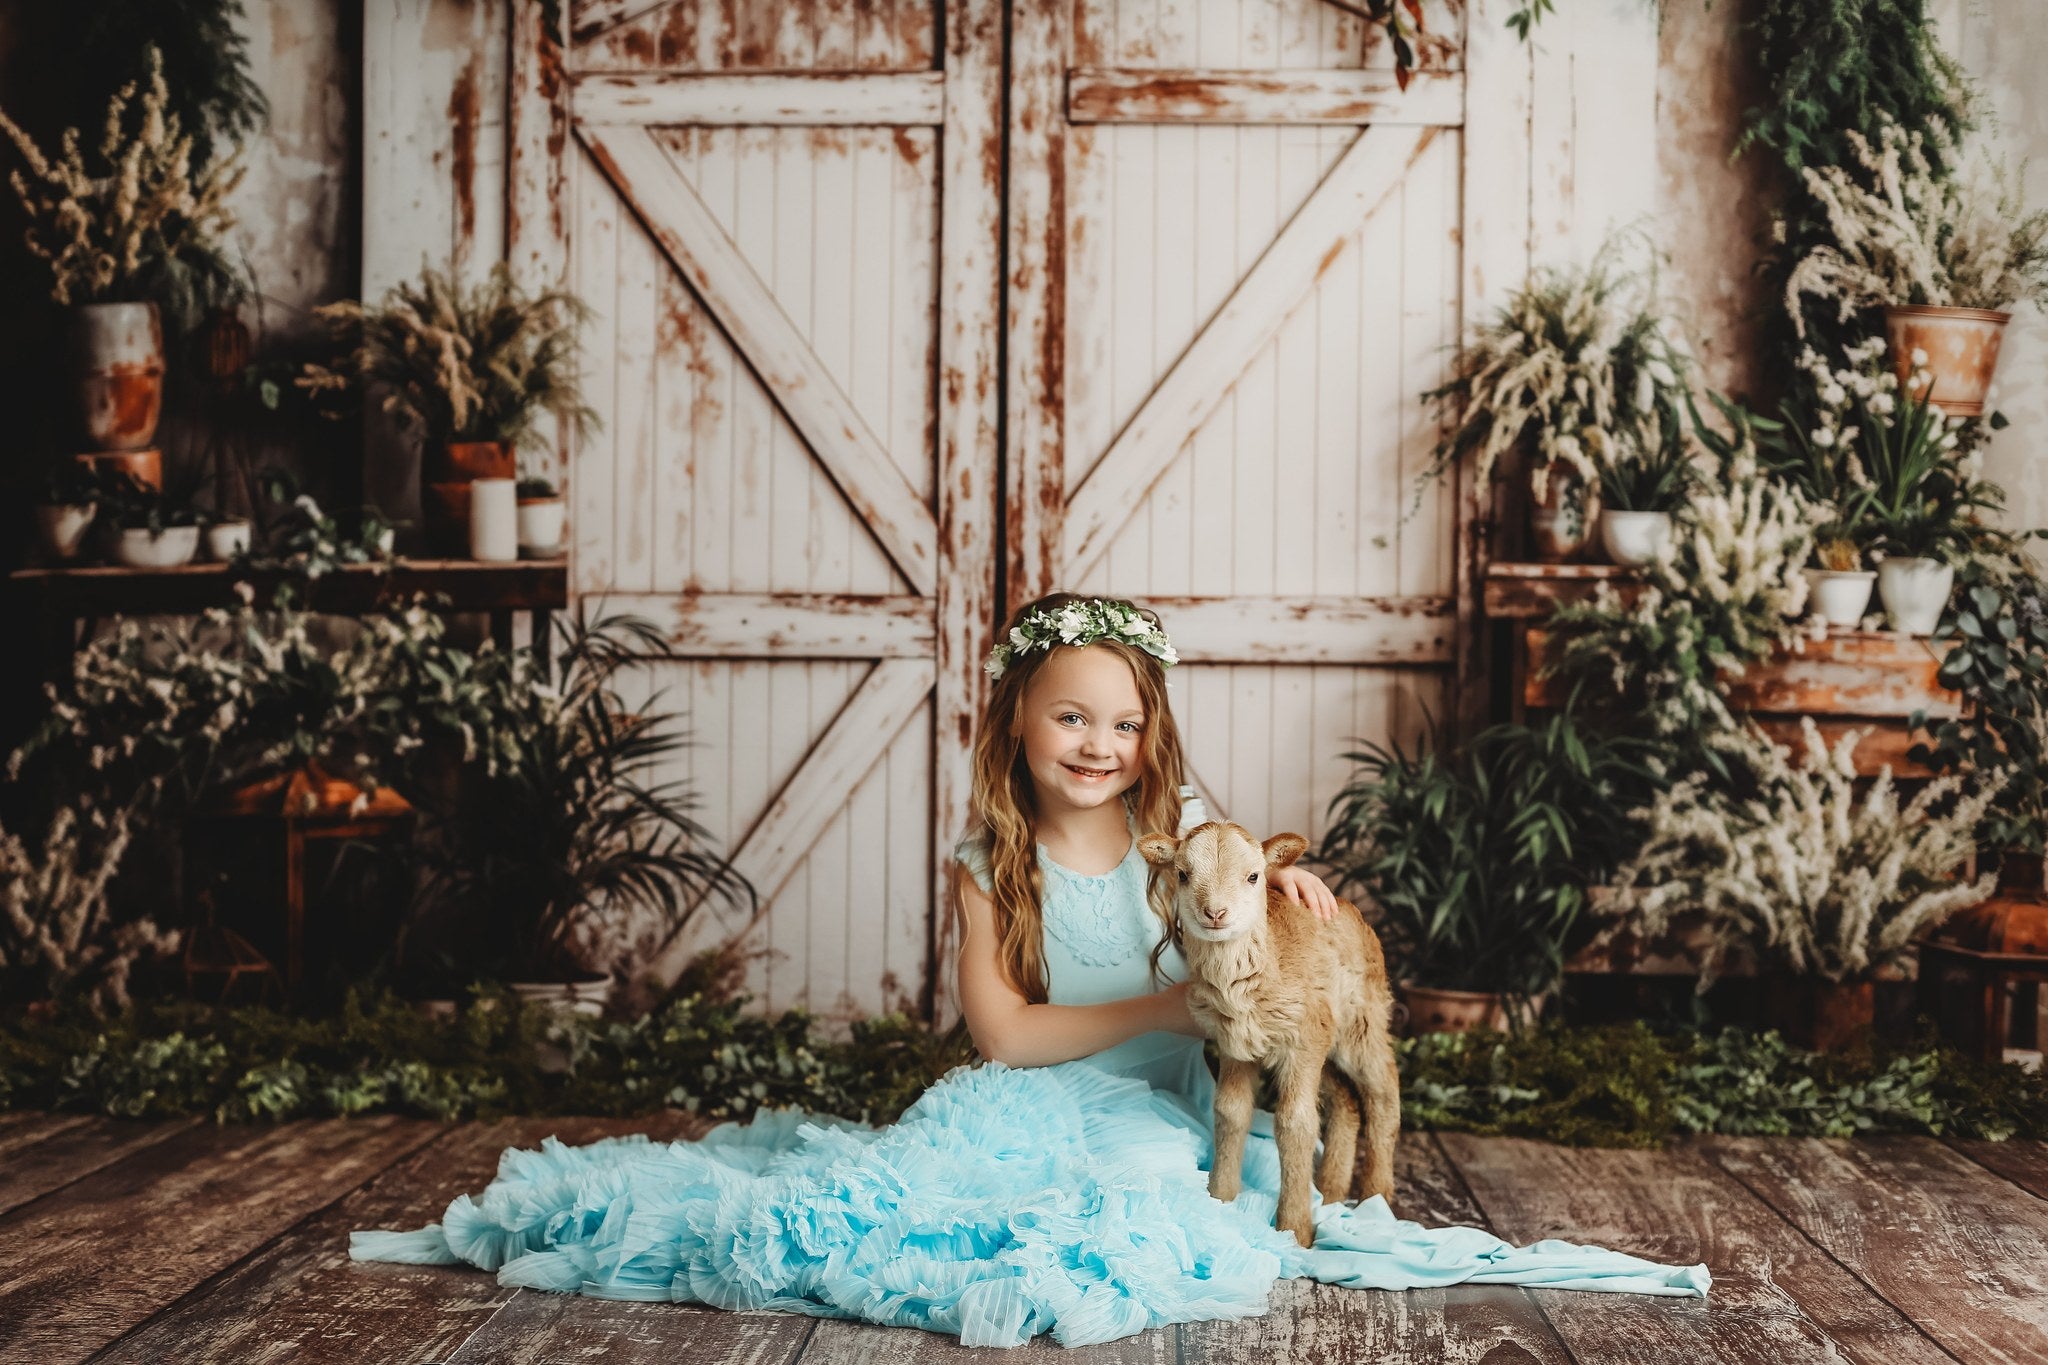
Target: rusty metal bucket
(116,354)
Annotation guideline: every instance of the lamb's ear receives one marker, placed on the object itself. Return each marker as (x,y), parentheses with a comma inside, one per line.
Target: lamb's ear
(1283,849)
(1158,849)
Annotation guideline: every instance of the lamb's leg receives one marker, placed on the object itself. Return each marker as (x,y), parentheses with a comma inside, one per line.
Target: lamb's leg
(1340,1137)
(1294,1125)
(1235,1090)
(1379,1081)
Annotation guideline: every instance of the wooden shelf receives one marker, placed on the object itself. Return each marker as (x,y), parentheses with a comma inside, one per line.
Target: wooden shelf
(1531,592)
(528,585)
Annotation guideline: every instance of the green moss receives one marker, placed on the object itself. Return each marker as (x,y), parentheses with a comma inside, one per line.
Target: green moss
(1621,1086)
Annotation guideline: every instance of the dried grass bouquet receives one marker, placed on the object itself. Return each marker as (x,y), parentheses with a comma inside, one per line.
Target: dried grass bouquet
(458,362)
(1905,233)
(135,220)
(1804,873)
(1577,362)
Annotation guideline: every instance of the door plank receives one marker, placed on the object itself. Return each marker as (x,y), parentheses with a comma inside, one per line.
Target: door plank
(74,1151)
(1775,1295)
(740,625)
(1466,1324)
(1961,1251)
(84,1264)
(300,1299)
(1364,180)
(2023,1162)
(777,99)
(858,736)
(1167,95)
(669,206)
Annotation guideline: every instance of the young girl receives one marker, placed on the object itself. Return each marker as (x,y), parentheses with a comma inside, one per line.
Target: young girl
(1061,1187)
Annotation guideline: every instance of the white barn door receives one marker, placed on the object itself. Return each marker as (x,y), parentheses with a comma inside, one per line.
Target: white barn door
(785,218)
(1235,263)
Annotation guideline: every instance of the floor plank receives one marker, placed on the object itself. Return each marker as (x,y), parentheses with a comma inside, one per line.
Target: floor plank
(74,1150)
(85,1263)
(1465,1323)
(2022,1162)
(1776,1297)
(1960,1250)
(301,1299)
(21,1129)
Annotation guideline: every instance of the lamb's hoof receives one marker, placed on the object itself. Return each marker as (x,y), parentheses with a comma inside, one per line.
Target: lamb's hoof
(1304,1232)
(1222,1187)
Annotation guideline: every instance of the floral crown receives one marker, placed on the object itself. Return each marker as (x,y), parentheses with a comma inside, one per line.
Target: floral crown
(1080,623)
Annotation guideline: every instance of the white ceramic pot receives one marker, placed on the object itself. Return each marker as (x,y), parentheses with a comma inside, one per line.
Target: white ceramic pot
(1841,596)
(138,547)
(493,520)
(226,539)
(61,529)
(1915,591)
(540,526)
(1633,539)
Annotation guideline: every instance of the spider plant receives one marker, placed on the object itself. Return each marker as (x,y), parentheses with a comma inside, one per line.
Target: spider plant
(572,845)
(1923,501)
(1654,476)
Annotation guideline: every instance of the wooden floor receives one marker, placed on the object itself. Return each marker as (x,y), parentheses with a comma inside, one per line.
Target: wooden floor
(181,1242)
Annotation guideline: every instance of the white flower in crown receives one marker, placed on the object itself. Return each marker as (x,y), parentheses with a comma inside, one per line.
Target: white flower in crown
(1080,623)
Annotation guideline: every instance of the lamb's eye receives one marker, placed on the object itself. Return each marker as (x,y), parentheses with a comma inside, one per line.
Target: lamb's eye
(1183,877)
(1253,878)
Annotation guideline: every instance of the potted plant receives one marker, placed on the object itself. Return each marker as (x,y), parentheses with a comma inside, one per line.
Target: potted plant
(1827,887)
(1923,507)
(1814,448)
(1477,862)
(135,219)
(148,529)
(547,865)
(542,513)
(1640,487)
(1572,367)
(472,369)
(1937,239)
(70,499)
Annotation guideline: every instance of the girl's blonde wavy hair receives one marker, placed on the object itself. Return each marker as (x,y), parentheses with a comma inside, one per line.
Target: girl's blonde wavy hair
(1004,805)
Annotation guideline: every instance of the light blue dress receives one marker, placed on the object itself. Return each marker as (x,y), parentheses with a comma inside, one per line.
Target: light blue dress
(1006,1202)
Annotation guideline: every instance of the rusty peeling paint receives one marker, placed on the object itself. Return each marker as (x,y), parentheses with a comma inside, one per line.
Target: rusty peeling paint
(462,117)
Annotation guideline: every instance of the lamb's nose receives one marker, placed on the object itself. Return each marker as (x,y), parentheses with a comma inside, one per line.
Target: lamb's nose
(1213,914)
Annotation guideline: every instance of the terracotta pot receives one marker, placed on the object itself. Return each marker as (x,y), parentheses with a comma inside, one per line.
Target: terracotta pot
(1962,352)
(1826,1016)
(445,475)
(1563,521)
(1432,1010)
(115,352)
(146,467)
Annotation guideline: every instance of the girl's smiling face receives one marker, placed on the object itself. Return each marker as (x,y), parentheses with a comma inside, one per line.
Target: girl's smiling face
(1082,725)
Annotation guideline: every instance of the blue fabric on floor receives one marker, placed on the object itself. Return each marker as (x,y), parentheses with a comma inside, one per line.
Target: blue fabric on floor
(1006,1202)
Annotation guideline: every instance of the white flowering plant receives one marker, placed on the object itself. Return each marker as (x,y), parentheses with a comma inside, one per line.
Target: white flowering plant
(136,219)
(1576,368)
(1725,593)
(1081,621)
(1801,869)
(1918,220)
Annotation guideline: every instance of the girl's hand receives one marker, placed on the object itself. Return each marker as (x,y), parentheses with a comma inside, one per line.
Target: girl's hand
(1306,888)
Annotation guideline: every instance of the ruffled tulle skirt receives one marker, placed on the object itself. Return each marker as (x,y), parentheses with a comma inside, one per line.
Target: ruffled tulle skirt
(1005,1203)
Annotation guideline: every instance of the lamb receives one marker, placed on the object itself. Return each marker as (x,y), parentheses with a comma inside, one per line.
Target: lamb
(1276,987)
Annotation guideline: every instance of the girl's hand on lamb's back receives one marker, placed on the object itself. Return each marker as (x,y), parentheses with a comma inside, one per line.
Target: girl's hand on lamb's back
(1306,888)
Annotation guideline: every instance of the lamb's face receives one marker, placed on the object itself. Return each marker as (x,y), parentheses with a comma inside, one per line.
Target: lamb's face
(1220,877)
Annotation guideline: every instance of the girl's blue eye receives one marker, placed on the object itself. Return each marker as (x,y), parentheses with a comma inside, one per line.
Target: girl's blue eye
(1069,716)
(1132,725)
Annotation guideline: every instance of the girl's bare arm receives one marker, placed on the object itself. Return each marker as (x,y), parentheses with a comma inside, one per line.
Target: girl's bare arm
(1008,1028)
